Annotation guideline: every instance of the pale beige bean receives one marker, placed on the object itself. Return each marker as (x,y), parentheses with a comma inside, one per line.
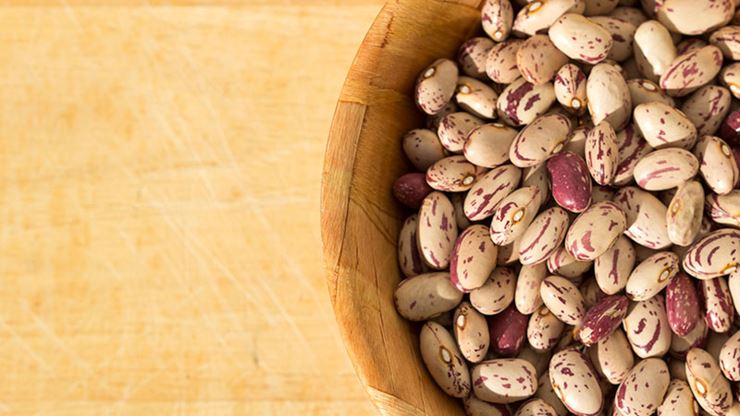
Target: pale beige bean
(544,330)
(724,209)
(710,388)
(522,102)
(488,145)
(436,85)
(409,257)
(443,360)
(536,407)
(612,357)
(691,71)
(543,236)
(654,49)
(541,14)
(437,230)
(727,39)
(570,88)
(422,147)
(476,407)
(514,214)
(632,147)
(678,401)
(647,329)
(729,358)
(645,91)
(664,126)
(697,337)
(608,96)
(539,140)
(613,267)
(494,380)
(489,190)
(471,332)
(538,59)
(652,275)
(685,213)
(622,34)
(472,56)
(695,17)
(425,296)
(643,390)
(536,176)
(716,254)
(452,174)
(563,299)
(476,97)
(497,292)
(632,15)
(602,153)
(501,62)
(563,264)
(575,383)
(718,166)
(707,107)
(527,295)
(665,168)
(730,77)
(718,304)
(577,141)
(581,39)
(595,230)
(497,17)
(454,128)
(473,258)
(646,217)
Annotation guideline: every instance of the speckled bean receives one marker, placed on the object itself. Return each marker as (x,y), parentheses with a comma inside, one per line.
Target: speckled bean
(508,331)
(476,97)
(581,39)
(729,358)
(472,56)
(710,388)
(646,217)
(717,164)
(654,49)
(734,284)
(489,190)
(647,329)
(527,295)
(727,39)
(563,264)
(570,88)
(631,148)
(563,299)
(454,128)
(410,189)
(575,382)
(473,258)
(538,59)
(536,176)
(665,168)
(718,304)
(643,390)
(622,34)
(678,401)
(541,14)
(602,153)
(436,85)
(443,360)
(433,120)
(543,236)
(682,305)
(425,296)
(603,319)
(514,214)
(612,357)
(652,275)
(685,213)
(471,332)
(497,17)
(547,394)
(716,254)
(644,91)
(504,380)
(488,145)
(423,148)
(409,257)
(497,292)
(608,96)
(724,209)
(539,140)
(437,230)
(689,44)
(605,219)
(570,181)
(536,407)
(521,102)
(692,17)
(501,62)
(692,70)
(451,174)
(613,267)
(544,330)
(707,107)
(664,126)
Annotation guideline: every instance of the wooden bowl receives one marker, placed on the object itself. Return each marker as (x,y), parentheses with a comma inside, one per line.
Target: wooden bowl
(359,217)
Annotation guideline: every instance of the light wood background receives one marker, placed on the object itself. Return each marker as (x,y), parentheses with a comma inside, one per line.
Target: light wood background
(159,225)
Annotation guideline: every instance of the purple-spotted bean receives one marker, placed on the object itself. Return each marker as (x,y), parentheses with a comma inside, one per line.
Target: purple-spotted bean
(678,401)
(443,360)
(425,296)
(563,264)
(724,209)
(647,329)
(496,294)
(454,128)
(652,275)
(602,153)
(604,218)
(538,59)
(691,17)
(717,164)
(608,96)
(581,39)
(685,213)
(411,189)
(696,338)
(409,257)
(433,120)
(436,85)
(710,388)
(504,380)
(622,34)
(645,91)
(473,258)
(570,181)
(497,17)
(563,299)
(682,305)
(603,319)
(539,15)
(471,332)
(536,407)
(480,202)
(437,230)
(690,44)
(476,97)
(575,382)
(501,62)
(632,147)
(543,236)
(423,148)
(718,303)
(727,39)
(665,168)
(536,177)
(539,140)
(451,174)
(488,145)
(707,107)
(527,294)
(643,390)
(664,126)
(570,88)
(476,407)
(714,255)
(612,357)
(472,56)
(654,49)
(613,267)
(544,330)
(547,394)
(729,358)
(514,214)
(692,70)
(734,284)
(646,217)
(521,102)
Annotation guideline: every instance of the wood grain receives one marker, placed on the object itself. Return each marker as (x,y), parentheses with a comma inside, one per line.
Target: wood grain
(159,239)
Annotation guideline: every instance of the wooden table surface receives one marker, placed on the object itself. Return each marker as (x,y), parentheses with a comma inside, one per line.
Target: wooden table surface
(159,225)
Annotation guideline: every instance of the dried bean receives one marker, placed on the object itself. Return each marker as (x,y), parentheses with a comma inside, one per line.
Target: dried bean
(443,360)
(473,258)
(607,218)
(425,296)
(488,145)
(494,380)
(575,382)
(423,148)
(497,292)
(613,267)
(563,299)
(570,181)
(436,85)
(543,236)
(647,329)
(682,305)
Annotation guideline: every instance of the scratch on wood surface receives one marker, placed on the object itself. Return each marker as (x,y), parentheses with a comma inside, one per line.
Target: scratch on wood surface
(27,348)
